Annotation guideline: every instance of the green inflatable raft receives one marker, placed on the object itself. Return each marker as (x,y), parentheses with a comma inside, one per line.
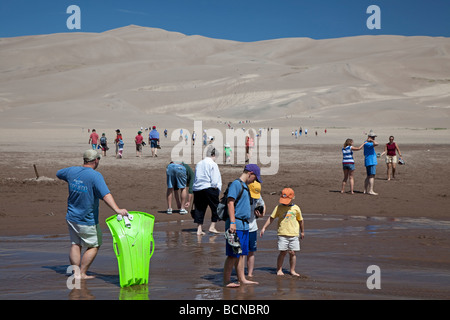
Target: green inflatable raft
(133,245)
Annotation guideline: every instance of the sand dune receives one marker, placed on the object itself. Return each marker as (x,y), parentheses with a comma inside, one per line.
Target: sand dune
(122,75)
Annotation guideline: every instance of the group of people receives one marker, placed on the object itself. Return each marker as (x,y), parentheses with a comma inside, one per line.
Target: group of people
(102,143)
(198,191)
(244,204)
(370,161)
(201,189)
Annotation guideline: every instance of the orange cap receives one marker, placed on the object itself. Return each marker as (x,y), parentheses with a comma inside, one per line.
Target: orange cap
(287,195)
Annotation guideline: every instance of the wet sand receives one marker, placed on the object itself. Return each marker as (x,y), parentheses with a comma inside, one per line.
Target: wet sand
(404,230)
(332,264)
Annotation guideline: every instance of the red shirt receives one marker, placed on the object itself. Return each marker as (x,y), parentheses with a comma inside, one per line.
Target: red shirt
(139,139)
(93,137)
(391,149)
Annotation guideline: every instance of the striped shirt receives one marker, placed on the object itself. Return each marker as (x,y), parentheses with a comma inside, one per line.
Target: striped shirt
(347,154)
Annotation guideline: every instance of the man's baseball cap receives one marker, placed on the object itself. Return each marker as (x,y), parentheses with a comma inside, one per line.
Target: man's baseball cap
(286,196)
(91,155)
(255,169)
(255,189)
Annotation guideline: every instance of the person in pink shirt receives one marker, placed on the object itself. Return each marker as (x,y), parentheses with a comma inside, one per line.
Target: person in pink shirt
(138,140)
(93,139)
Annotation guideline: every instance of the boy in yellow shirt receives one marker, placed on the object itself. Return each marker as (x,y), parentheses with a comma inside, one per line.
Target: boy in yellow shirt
(290,228)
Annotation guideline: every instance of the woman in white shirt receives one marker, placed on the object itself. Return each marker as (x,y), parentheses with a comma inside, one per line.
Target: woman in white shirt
(207,186)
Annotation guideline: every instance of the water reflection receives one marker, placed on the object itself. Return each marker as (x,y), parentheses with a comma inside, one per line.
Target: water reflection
(187,266)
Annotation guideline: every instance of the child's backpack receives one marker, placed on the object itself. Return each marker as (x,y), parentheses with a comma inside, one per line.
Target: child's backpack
(222,207)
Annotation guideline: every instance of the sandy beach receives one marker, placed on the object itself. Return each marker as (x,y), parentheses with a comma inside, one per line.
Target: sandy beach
(393,85)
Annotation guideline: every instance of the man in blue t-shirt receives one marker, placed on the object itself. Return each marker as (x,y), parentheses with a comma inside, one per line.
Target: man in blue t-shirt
(86,187)
(153,141)
(239,213)
(370,161)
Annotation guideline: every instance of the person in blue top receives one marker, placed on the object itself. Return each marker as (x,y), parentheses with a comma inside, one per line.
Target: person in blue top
(239,212)
(86,187)
(153,141)
(370,161)
(348,163)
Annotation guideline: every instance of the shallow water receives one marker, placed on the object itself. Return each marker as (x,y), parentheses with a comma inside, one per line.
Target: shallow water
(412,255)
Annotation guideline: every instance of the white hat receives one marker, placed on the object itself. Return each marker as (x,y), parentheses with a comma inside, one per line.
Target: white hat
(372,134)
(91,155)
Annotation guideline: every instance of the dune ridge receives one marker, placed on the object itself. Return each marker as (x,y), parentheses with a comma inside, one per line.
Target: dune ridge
(122,75)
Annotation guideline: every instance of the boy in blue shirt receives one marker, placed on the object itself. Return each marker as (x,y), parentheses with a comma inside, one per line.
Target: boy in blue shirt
(239,213)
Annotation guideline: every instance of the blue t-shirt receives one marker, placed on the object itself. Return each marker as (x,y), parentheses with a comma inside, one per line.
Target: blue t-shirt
(370,157)
(86,187)
(153,135)
(242,209)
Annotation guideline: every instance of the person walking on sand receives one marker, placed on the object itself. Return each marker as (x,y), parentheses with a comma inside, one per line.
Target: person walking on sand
(117,139)
(228,151)
(391,150)
(104,144)
(237,223)
(370,162)
(86,187)
(120,145)
(249,144)
(291,227)
(194,136)
(93,139)
(348,163)
(258,209)
(153,140)
(206,187)
(138,141)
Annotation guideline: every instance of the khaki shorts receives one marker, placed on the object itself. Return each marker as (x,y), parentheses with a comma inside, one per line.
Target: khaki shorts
(391,159)
(85,236)
(288,243)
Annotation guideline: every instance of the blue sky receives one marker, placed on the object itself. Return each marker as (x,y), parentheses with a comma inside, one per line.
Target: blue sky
(241,20)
